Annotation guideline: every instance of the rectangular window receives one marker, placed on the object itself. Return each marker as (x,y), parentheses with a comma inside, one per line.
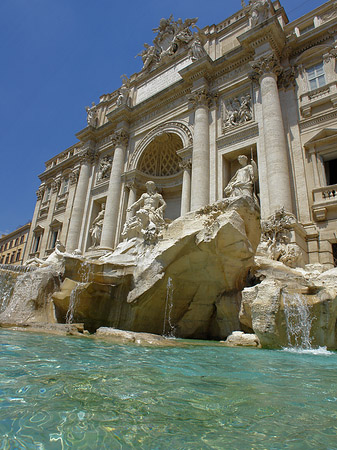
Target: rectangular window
(53,238)
(316,76)
(36,243)
(65,186)
(334,254)
(47,195)
(7,259)
(18,255)
(331,171)
(12,257)
(16,242)
(22,239)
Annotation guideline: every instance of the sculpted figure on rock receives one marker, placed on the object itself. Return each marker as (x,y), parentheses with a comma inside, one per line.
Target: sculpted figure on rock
(242,183)
(149,219)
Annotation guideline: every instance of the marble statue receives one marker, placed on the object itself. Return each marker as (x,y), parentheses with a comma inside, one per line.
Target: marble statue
(242,183)
(276,239)
(259,11)
(149,219)
(104,168)
(92,114)
(238,110)
(197,50)
(54,258)
(124,92)
(96,227)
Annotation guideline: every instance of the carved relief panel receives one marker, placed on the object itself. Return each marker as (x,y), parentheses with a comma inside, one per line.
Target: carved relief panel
(236,111)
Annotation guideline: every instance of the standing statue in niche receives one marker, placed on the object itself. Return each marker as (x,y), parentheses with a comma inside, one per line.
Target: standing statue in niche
(92,115)
(243,181)
(96,227)
(149,219)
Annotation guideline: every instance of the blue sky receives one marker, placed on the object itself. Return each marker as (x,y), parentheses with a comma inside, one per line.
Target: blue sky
(57,56)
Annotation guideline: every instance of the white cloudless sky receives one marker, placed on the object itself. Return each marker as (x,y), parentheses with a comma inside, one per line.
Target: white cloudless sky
(57,56)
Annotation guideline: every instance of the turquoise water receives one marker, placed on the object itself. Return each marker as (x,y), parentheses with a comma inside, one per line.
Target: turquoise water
(69,393)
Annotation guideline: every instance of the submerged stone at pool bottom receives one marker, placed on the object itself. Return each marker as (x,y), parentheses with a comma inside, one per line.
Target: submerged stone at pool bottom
(61,393)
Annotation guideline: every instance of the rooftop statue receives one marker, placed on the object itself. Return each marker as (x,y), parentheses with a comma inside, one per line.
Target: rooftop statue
(259,11)
(171,37)
(124,92)
(91,114)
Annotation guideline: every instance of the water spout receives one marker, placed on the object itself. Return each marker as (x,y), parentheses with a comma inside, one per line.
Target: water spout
(298,320)
(168,310)
(84,272)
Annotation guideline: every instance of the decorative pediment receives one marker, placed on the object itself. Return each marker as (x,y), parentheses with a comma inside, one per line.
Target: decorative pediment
(321,138)
(38,229)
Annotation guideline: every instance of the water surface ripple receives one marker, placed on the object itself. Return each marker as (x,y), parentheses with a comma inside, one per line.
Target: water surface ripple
(68,393)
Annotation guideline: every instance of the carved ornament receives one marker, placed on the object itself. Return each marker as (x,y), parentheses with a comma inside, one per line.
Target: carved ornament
(172,37)
(104,168)
(201,98)
(237,110)
(55,186)
(74,176)
(120,138)
(287,78)
(259,11)
(186,164)
(92,115)
(265,65)
(40,192)
(87,156)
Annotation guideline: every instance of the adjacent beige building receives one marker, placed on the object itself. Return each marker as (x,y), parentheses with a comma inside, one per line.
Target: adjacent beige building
(251,85)
(13,245)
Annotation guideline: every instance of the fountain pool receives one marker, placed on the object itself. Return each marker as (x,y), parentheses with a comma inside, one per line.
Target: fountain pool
(80,393)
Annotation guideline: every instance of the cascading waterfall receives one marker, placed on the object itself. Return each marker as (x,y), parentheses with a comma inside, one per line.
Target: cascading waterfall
(168,328)
(84,272)
(298,320)
(6,288)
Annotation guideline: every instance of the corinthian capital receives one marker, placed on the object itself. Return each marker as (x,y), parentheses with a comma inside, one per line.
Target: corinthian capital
(185,164)
(40,192)
(87,156)
(56,183)
(201,98)
(265,65)
(120,138)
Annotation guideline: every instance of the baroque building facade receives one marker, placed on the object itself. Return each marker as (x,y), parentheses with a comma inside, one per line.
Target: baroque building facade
(253,85)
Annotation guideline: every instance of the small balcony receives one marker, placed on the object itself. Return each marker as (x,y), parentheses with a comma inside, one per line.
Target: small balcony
(324,202)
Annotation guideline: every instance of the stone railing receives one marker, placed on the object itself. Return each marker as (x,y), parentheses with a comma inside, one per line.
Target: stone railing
(324,199)
(313,98)
(326,194)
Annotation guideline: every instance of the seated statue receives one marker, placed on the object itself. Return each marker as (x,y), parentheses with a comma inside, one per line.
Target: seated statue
(149,219)
(242,183)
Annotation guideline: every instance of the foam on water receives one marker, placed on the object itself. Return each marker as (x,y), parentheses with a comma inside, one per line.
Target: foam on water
(309,351)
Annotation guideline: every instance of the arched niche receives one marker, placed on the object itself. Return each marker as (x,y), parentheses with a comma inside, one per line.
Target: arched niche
(160,163)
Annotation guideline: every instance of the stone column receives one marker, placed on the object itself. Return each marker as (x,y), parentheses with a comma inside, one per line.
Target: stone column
(79,200)
(29,243)
(55,186)
(132,197)
(200,155)
(186,188)
(114,192)
(266,71)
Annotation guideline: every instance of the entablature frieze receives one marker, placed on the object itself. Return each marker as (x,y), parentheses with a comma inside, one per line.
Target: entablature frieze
(138,180)
(317,120)
(270,32)
(244,132)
